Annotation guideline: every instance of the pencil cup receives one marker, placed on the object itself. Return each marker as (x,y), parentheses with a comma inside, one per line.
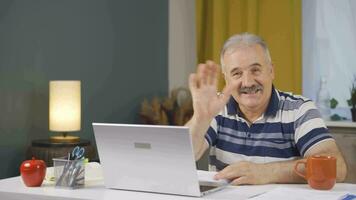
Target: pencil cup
(69,173)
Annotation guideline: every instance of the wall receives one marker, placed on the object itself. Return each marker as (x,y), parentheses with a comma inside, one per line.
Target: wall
(117,48)
(182,42)
(346,141)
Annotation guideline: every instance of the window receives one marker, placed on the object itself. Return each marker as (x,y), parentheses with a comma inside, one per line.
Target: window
(329,49)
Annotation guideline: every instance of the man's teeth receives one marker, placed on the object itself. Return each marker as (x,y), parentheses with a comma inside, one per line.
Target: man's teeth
(252,92)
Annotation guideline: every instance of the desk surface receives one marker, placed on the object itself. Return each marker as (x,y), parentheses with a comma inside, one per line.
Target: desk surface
(13,188)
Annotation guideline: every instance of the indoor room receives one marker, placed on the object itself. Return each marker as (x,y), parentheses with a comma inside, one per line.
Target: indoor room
(136,99)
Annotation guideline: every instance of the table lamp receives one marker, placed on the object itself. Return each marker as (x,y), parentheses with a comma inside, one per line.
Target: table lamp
(64,109)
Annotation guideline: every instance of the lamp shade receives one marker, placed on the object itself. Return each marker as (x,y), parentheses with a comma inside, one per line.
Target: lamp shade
(64,106)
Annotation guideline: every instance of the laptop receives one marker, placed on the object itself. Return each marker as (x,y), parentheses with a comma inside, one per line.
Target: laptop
(149,158)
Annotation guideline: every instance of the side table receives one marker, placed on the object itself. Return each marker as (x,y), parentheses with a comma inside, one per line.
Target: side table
(46,150)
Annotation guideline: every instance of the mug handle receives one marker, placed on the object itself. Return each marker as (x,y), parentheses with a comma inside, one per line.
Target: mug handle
(296,168)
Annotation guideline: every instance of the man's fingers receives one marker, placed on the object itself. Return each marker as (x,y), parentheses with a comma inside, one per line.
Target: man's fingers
(212,69)
(210,63)
(227,173)
(193,82)
(202,74)
(215,76)
(243,180)
(207,73)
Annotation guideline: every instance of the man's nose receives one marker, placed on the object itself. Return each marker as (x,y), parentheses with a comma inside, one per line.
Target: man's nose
(247,80)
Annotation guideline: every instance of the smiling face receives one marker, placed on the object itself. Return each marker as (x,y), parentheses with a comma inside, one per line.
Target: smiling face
(249,68)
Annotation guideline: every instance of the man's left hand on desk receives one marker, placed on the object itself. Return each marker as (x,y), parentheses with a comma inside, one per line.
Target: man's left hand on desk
(244,173)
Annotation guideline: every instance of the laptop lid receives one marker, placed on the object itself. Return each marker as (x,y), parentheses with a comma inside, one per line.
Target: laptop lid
(147,158)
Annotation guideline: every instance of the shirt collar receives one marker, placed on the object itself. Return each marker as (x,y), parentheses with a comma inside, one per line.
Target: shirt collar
(272,108)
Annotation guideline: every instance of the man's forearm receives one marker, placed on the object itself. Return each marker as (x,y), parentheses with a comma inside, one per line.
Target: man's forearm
(283,172)
(198,130)
(245,172)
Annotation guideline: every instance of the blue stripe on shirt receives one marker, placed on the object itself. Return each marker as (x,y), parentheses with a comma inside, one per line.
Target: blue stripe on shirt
(211,136)
(268,127)
(312,137)
(257,137)
(257,150)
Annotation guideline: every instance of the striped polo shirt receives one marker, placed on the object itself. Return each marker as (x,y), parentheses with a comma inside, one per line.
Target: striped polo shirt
(290,126)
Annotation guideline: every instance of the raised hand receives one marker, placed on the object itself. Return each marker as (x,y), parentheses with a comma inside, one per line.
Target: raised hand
(203,86)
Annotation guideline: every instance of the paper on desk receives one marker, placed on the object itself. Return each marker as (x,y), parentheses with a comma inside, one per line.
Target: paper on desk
(300,194)
(93,172)
(208,177)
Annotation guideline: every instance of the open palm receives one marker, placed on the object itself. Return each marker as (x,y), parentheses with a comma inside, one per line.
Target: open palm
(203,85)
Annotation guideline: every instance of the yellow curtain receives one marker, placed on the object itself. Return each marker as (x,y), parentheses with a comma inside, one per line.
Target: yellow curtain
(278,22)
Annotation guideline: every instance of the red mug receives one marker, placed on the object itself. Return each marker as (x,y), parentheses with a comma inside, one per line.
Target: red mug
(320,171)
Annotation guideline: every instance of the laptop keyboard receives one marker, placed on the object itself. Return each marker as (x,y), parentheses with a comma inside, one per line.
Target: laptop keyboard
(204,188)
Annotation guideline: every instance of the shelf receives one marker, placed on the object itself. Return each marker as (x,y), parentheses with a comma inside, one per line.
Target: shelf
(341,124)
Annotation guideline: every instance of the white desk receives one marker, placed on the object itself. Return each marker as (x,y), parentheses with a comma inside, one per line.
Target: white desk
(14,189)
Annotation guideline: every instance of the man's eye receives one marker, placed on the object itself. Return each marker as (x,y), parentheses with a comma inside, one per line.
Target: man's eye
(238,74)
(255,70)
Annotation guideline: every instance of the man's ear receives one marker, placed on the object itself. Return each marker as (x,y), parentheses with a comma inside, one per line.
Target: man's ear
(272,71)
(225,78)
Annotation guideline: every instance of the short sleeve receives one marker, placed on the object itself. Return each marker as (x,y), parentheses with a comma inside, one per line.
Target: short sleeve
(309,127)
(212,133)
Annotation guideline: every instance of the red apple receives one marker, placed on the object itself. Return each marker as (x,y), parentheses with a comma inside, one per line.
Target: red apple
(33,172)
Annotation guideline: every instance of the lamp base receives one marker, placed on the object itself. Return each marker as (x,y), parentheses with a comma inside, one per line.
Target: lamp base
(64,139)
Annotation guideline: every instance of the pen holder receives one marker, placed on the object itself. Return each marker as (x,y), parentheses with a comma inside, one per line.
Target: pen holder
(69,173)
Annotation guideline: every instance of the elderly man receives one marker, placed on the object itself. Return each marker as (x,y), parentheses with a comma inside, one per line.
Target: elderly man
(255,132)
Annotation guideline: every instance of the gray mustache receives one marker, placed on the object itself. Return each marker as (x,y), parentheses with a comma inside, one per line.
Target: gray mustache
(253,88)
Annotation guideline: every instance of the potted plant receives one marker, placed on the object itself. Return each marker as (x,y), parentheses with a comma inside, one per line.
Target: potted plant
(352,100)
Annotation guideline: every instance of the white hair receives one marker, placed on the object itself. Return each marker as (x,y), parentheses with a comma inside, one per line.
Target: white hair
(243,40)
